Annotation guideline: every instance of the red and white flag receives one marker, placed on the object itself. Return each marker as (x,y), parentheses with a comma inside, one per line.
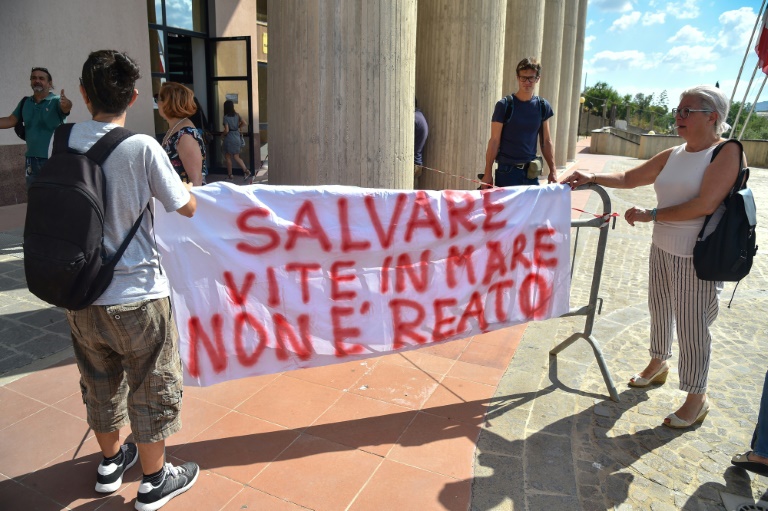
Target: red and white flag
(762,44)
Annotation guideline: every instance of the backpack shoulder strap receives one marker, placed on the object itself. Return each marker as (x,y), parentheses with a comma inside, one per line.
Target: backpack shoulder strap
(117,255)
(509,108)
(21,108)
(106,144)
(61,138)
(541,124)
(743,176)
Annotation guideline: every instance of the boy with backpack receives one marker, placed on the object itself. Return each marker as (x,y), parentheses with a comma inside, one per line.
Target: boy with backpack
(519,121)
(125,341)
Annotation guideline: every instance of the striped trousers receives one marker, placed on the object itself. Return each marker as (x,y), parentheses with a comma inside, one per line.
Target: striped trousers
(676,296)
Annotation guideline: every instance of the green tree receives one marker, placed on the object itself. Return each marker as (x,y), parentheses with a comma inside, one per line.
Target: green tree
(599,94)
(757,127)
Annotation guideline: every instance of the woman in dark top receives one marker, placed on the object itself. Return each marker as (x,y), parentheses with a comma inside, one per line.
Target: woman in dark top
(182,141)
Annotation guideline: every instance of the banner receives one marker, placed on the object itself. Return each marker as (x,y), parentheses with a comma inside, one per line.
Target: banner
(267,279)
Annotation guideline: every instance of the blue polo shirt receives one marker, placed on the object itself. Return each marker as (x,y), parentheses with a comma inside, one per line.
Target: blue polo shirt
(40,120)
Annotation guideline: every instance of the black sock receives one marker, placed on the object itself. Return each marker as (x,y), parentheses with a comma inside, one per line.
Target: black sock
(116,459)
(155,478)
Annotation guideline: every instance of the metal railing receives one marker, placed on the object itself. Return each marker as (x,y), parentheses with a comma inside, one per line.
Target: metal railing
(595,302)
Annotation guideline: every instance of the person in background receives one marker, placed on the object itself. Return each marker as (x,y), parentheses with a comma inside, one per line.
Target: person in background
(690,184)
(233,140)
(756,460)
(42,113)
(182,142)
(516,128)
(421,132)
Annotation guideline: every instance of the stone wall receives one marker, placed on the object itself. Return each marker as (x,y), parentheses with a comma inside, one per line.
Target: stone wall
(13,189)
(619,143)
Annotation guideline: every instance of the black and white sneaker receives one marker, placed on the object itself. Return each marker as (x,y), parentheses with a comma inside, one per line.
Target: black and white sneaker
(176,480)
(109,476)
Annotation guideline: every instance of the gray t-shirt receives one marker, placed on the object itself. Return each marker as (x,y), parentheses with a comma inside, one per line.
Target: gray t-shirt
(137,170)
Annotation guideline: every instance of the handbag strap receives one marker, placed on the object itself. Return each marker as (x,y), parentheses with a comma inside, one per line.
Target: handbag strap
(742,177)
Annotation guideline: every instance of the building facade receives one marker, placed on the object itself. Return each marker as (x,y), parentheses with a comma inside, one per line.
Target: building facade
(340,83)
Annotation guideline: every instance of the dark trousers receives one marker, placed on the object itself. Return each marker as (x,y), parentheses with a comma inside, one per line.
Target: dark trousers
(511,175)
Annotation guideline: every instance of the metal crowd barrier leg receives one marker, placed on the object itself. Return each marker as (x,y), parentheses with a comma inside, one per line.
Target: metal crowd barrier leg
(591,308)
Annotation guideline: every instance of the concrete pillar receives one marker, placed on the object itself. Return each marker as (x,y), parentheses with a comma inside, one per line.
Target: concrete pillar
(578,67)
(458,81)
(552,48)
(341,89)
(523,37)
(566,82)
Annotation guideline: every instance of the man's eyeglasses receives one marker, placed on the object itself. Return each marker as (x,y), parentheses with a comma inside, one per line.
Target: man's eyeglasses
(529,79)
(685,112)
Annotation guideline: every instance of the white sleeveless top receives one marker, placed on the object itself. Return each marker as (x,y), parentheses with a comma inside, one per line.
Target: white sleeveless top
(680,181)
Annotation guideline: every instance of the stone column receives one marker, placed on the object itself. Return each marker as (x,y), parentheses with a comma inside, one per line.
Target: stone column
(566,82)
(578,67)
(459,58)
(552,48)
(523,37)
(341,88)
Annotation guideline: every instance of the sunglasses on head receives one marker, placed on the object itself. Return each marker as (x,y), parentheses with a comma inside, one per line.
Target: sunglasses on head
(43,70)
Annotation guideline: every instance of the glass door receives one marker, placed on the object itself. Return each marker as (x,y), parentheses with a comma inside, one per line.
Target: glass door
(231,80)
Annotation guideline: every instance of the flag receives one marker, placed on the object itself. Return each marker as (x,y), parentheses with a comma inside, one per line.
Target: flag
(762,44)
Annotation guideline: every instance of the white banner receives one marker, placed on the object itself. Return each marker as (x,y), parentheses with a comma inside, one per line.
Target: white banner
(272,278)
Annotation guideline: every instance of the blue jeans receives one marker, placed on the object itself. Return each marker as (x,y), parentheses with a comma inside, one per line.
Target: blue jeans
(760,436)
(32,167)
(511,175)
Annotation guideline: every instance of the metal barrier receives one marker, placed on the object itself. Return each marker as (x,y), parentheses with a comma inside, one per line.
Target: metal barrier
(591,308)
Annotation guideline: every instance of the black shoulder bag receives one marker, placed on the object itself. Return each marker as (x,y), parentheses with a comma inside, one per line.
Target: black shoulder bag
(727,253)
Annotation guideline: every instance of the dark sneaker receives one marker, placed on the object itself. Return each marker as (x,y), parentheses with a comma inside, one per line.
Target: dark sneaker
(176,480)
(109,476)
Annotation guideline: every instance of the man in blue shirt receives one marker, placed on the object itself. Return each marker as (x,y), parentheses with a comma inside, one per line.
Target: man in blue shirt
(518,122)
(42,113)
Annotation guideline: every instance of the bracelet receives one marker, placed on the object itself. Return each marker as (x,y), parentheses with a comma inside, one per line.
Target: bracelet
(594,178)
(653,215)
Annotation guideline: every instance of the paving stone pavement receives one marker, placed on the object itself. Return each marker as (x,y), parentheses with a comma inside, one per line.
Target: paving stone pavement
(553,439)
(33,334)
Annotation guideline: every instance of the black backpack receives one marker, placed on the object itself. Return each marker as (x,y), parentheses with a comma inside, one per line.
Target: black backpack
(65,261)
(727,253)
(19,128)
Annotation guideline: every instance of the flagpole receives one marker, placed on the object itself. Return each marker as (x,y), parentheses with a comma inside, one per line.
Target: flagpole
(753,107)
(741,106)
(749,46)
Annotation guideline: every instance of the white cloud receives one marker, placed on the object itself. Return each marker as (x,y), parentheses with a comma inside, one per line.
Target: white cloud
(735,29)
(625,22)
(687,35)
(654,18)
(611,5)
(588,42)
(687,58)
(685,9)
(619,60)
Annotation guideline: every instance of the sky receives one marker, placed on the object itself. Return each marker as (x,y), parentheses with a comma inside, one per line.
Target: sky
(649,46)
